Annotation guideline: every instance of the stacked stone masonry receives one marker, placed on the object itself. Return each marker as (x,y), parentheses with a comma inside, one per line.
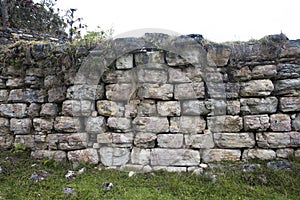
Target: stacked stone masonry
(151,108)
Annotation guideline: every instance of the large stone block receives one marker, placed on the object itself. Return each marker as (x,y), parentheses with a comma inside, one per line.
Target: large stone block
(178,75)
(72,141)
(233,107)
(284,153)
(6,141)
(194,107)
(3,95)
(280,122)
(85,92)
(224,123)
(256,88)
(287,70)
(140,156)
(170,140)
(47,154)
(67,124)
(13,110)
(57,94)
(217,155)
(147,108)
(168,108)
(287,87)
(49,110)
(150,124)
(259,105)
(145,140)
(174,157)
(175,60)
(120,92)
(156,91)
(43,125)
(232,90)
(115,139)
(114,156)
(4,126)
(262,154)
(218,55)
(20,126)
(278,139)
(152,76)
(289,104)
(119,124)
(241,74)
(77,108)
(110,108)
(119,76)
(234,140)
(256,122)
(89,156)
(34,110)
(125,62)
(187,124)
(193,90)
(95,125)
(264,71)
(150,57)
(201,141)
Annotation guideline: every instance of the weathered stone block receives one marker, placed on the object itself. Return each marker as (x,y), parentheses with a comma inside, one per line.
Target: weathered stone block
(25,140)
(43,125)
(145,58)
(289,104)
(33,110)
(156,91)
(232,90)
(145,140)
(187,124)
(120,92)
(131,108)
(287,87)
(122,139)
(178,76)
(259,105)
(49,110)
(152,76)
(43,154)
(77,108)
(193,90)
(119,76)
(175,157)
(297,153)
(95,125)
(3,95)
(105,138)
(175,60)
(256,122)
(217,155)
(57,94)
(218,55)
(264,71)
(194,107)
(13,110)
(168,108)
(242,74)
(280,122)
(119,124)
(4,126)
(233,107)
(287,70)
(140,156)
(89,156)
(85,92)
(234,140)
(110,108)
(296,123)
(295,139)
(170,140)
(15,82)
(114,156)
(125,62)
(72,141)
(67,124)
(6,141)
(149,124)
(201,141)
(278,139)
(20,126)
(262,154)
(256,88)
(147,108)
(226,123)
(284,153)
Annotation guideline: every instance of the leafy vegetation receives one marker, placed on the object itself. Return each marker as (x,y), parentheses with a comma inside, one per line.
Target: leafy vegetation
(232,182)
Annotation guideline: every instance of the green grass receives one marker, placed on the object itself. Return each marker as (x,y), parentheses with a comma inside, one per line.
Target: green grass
(232,183)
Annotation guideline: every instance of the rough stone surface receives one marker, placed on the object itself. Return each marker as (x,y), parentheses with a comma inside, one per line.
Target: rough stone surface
(175,157)
(187,124)
(225,123)
(156,91)
(216,155)
(64,141)
(85,92)
(170,140)
(95,124)
(147,108)
(289,104)
(259,105)
(89,156)
(13,110)
(125,62)
(110,108)
(233,107)
(148,124)
(152,76)
(120,92)
(256,122)
(140,156)
(119,124)
(67,124)
(201,141)
(264,71)
(288,87)
(43,125)
(280,122)
(189,91)
(277,139)
(256,88)
(114,156)
(145,140)
(194,107)
(284,153)
(262,154)
(4,126)
(168,108)
(234,140)
(77,108)
(20,126)
(296,123)
(6,141)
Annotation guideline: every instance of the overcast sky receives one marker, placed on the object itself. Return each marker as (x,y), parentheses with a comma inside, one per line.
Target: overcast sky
(216,20)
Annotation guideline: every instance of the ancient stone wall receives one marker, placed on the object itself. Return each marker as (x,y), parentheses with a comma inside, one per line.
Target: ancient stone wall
(156,102)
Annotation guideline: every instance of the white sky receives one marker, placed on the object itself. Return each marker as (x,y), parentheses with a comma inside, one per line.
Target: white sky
(216,20)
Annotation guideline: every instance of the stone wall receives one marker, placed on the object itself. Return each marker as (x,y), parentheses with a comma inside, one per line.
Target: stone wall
(156,102)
